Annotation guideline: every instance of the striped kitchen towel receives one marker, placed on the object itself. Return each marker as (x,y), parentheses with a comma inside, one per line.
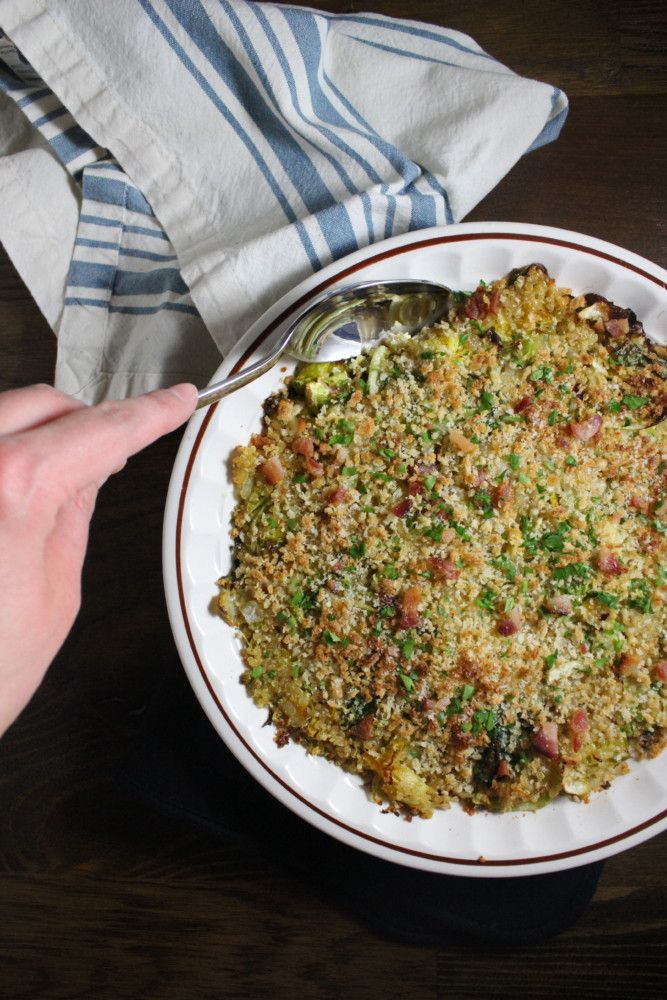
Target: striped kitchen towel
(168,168)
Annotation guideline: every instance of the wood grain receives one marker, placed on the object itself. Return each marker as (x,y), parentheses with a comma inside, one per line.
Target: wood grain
(101,897)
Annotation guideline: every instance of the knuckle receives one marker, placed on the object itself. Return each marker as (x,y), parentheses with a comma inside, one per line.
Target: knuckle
(17,473)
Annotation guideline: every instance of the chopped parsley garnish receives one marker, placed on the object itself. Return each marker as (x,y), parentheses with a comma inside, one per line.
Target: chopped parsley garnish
(571,576)
(358,547)
(640,596)
(635,402)
(460,531)
(506,566)
(408,648)
(408,681)
(484,502)
(542,372)
(486,599)
(609,600)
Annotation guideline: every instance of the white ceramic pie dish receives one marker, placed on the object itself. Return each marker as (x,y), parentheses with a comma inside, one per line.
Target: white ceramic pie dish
(196,553)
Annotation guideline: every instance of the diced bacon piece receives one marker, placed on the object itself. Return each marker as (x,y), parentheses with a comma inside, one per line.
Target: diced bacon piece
(579,721)
(608,563)
(444,569)
(471,308)
(587,429)
(301,425)
(546,740)
(494,302)
(617,327)
(336,495)
(640,504)
(363,730)
(626,664)
(461,442)
(313,468)
(272,470)
(660,670)
(260,440)
(522,404)
(476,306)
(578,726)
(402,507)
(503,493)
(503,770)
(303,446)
(408,607)
(415,487)
(511,623)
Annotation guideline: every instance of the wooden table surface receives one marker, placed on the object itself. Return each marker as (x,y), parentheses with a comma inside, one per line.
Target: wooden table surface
(102,898)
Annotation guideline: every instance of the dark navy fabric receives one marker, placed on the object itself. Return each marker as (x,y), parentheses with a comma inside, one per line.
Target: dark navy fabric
(181,767)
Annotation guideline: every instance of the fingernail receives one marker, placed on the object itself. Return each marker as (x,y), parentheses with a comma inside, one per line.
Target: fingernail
(184,391)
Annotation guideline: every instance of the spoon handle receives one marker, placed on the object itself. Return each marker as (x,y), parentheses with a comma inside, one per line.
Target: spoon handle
(212,393)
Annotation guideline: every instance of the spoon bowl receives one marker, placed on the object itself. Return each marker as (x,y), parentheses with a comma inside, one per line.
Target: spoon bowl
(341,323)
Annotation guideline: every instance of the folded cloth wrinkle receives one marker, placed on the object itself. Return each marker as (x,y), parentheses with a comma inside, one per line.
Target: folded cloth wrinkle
(258,142)
(179,766)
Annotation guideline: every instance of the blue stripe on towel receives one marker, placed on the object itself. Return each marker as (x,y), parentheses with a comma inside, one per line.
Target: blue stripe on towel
(76,300)
(410,29)
(334,221)
(50,116)
(115,192)
(71,144)
(83,241)
(553,126)
(99,220)
(240,131)
(402,52)
(289,78)
(36,95)
(86,274)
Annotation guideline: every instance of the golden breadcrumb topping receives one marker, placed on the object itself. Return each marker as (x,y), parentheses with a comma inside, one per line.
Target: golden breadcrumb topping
(450,554)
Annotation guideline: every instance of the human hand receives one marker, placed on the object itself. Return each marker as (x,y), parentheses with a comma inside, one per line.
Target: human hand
(55,453)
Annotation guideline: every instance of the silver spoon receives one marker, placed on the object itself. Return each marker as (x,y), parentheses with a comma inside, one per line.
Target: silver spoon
(340,323)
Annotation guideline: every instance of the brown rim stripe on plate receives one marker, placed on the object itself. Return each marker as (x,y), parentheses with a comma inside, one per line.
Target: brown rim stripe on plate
(261,337)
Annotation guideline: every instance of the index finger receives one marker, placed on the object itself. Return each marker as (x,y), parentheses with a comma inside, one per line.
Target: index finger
(86,446)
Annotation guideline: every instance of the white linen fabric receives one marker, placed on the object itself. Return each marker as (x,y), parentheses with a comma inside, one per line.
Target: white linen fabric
(168,168)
